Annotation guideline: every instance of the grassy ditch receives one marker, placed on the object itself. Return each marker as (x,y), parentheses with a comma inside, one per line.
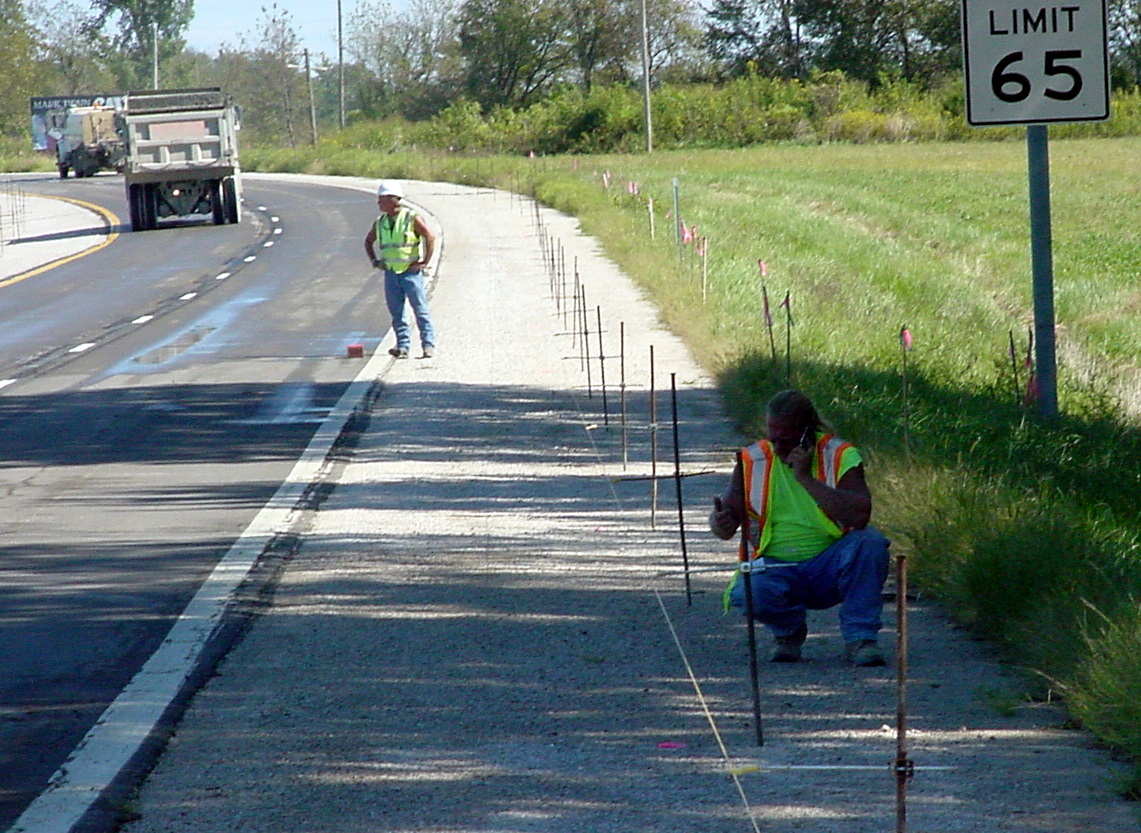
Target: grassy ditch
(1028,532)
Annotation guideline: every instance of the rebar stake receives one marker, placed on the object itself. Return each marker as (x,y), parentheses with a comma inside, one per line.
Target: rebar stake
(677,485)
(904,767)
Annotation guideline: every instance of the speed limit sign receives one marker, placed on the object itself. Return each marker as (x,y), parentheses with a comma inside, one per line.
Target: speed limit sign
(1032,64)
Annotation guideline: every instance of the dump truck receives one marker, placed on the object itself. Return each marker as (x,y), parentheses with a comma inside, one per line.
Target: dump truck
(182,156)
(90,141)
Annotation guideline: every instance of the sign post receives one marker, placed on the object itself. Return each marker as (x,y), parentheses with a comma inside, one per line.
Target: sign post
(1033,63)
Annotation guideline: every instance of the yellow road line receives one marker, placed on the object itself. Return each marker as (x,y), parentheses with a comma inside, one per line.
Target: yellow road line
(109,217)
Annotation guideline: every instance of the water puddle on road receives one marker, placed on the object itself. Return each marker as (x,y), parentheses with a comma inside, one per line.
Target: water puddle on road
(176,347)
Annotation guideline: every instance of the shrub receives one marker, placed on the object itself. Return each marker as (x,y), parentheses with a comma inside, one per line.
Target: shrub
(859,126)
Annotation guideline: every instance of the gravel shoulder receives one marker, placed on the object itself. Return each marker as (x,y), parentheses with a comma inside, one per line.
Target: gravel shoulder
(477,635)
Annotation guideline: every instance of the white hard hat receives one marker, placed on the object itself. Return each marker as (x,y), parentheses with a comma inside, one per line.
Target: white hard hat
(389,188)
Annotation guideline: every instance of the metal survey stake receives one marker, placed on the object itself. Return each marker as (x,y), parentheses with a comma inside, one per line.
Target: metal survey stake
(653,446)
(746,569)
(904,767)
(677,485)
(602,369)
(622,389)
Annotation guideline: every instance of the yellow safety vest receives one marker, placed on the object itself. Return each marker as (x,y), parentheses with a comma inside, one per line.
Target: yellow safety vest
(756,465)
(398,241)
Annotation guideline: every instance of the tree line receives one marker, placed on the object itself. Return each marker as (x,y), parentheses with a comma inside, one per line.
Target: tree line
(418,60)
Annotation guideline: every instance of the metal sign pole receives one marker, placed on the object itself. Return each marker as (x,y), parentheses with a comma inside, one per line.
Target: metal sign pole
(1042,267)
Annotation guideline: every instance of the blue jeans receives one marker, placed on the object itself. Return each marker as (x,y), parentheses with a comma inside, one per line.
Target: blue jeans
(408,287)
(850,572)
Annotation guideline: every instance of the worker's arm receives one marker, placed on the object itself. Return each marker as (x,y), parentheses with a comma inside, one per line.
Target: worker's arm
(849,504)
(429,239)
(369,240)
(729,509)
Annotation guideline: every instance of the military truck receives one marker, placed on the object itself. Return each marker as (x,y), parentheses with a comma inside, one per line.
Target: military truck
(90,142)
(182,156)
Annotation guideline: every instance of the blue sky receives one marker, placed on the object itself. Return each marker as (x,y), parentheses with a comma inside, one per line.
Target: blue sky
(227,21)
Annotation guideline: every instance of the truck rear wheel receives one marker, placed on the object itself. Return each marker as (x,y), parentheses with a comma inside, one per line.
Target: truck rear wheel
(150,205)
(141,202)
(230,196)
(135,206)
(217,206)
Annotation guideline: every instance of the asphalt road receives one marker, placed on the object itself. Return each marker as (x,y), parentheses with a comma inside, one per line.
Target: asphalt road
(165,385)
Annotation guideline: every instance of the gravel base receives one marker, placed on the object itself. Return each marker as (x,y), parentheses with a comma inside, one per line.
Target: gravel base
(476,635)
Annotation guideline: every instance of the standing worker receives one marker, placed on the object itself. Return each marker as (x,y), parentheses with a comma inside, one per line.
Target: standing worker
(398,232)
(802,495)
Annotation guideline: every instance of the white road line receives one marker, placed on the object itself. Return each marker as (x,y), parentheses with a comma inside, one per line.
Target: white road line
(82,348)
(143,319)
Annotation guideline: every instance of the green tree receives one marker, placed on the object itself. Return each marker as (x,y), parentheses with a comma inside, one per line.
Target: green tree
(265,80)
(735,34)
(855,37)
(76,63)
(514,50)
(411,57)
(676,40)
(18,81)
(1125,41)
(870,39)
(136,28)
(601,33)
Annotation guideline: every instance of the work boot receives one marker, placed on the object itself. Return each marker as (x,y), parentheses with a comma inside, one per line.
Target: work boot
(864,653)
(428,353)
(398,352)
(787,648)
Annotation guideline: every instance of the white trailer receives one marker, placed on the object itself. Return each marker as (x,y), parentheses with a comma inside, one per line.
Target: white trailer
(182,156)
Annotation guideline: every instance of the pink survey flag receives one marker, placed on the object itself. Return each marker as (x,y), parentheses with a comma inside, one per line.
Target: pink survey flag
(905,338)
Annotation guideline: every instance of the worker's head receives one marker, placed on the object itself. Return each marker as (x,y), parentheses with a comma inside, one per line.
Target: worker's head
(791,420)
(388,196)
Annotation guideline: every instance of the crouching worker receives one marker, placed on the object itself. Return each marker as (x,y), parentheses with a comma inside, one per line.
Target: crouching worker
(805,504)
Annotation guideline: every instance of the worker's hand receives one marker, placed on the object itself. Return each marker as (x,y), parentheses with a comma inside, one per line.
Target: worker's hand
(800,461)
(722,522)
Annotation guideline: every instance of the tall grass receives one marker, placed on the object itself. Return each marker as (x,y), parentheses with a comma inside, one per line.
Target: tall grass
(1026,530)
